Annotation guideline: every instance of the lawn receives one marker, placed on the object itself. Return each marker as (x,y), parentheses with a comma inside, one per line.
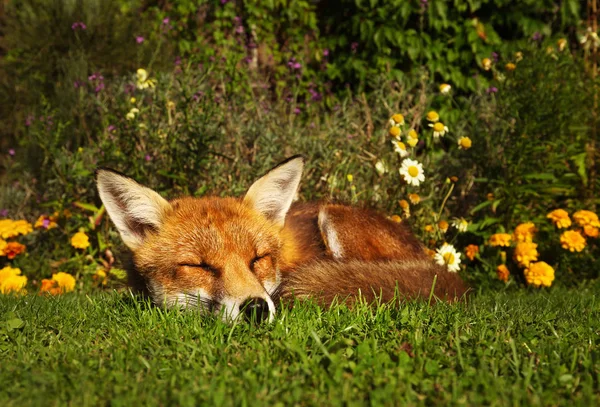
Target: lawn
(538,347)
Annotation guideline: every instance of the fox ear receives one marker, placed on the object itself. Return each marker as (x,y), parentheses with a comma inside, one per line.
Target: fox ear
(134,209)
(272,195)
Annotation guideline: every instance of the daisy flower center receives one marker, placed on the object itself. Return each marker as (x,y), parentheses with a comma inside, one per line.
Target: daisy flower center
(439,127)
(448,258)
(413,171)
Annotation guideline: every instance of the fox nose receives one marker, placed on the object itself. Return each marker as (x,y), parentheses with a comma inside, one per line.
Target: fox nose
(255,309)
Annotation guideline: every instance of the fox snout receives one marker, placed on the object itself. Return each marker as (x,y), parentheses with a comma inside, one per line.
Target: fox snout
(255,310)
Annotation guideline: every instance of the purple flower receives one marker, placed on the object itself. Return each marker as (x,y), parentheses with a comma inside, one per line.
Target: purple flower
(223,2)
(78,26)
(139,39)
(536,36)
(177,61)
(77,84)
(11,152)
(297,110)
(237,19)
(491,89)
(46,223)
(495,57)
(325,52)
(354,46)
(99,87)
(4,213)
(111,128)
(29,120)
(315,96)
(239,29)
(165,21)
(148,157)
(92,77)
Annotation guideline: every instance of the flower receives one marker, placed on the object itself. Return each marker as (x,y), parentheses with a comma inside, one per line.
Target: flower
(524,232)
(11,228)
(395,131)
(428,228)
(461,224)
(448,256)
(412,171)
(439,129)
(46,222)
(400,148)
(486,63)
(525,253)
(100,276)
(132,113)
(80,240)
(13,249)
(471,251)
(502,272)
(404,204)
(397,120)
(464,143)
(500,239)
(139,39)
(380,167)
(445,88)
(432,116)
(350,177)
(443,226)
(590,231)
(11,280)
(584,218)
(510,66)
(538,274)
(78,25)
(518,56)
(396,218)
(414,198)
(59,284)
(572,240)
(142,79)
(560,217)
(562,44)
(491,89)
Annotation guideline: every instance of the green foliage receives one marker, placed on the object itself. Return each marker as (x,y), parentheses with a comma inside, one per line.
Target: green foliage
(506,348)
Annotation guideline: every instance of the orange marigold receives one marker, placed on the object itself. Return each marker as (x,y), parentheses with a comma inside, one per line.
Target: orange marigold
(60,283)
(471,251)
(572,240)
(500,239)
(13,249)
(590,231)
(585,218)
(443,226)
(524,232)
(538,274)
(560,217)
(525,253)
(502,272)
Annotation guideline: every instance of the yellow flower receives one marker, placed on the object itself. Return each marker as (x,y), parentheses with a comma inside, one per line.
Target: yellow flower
(12,249)
(433,116)
(400,148)
(590,231)
(439,129)
(414,198)
(396,218)
(539,274)
(560,217)
(524,232)
(80,240)
(486,63)
(412,134)
(428,228)
(585,218)
(404,204)
(518,56)
(142,79)
(64,281)
(502,272)
(464,143)
(395,131)
(11,280)
(510,66)
(100,276)
(562,44)
(500,239)
(471,251)
(412,171)
(397,120)
(572,240)
(132,100)
(525,253)
(3,245)
(46,222)
(350,177)
(443,226)
(445,88)
(11,228)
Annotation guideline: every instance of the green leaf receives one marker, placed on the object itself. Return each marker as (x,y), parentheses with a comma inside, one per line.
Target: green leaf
(15,323)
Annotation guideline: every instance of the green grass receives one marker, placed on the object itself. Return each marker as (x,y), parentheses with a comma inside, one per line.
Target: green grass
(507,348)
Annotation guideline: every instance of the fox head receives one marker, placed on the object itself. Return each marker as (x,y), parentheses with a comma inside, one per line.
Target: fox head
(219,254)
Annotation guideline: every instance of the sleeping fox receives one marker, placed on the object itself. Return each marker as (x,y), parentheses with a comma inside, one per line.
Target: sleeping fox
(233,256)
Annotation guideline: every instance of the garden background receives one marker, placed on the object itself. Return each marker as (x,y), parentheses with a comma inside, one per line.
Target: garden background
(490,106)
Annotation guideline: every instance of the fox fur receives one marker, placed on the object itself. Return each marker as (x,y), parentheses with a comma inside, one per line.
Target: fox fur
(221,254)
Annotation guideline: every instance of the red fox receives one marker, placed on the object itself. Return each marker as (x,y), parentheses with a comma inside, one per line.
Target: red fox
(234,256)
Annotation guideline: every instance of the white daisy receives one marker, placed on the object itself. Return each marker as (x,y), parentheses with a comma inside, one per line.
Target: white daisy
(400,148)
(448,256)
(445,88)
(412,171)
(439,130)
(397,120)
(461,224)
(380,167)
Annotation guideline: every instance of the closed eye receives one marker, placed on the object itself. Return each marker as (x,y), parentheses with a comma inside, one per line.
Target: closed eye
(203,266)
(257,259)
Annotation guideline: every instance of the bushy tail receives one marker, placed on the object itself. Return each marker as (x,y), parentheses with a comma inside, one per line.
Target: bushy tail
(379,281)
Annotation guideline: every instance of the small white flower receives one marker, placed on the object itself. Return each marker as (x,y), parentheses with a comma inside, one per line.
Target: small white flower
(448,256)
(412,171)
(380,167)
(439,129)
(461,224)
(132,113)
(445,88)
(400,148)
